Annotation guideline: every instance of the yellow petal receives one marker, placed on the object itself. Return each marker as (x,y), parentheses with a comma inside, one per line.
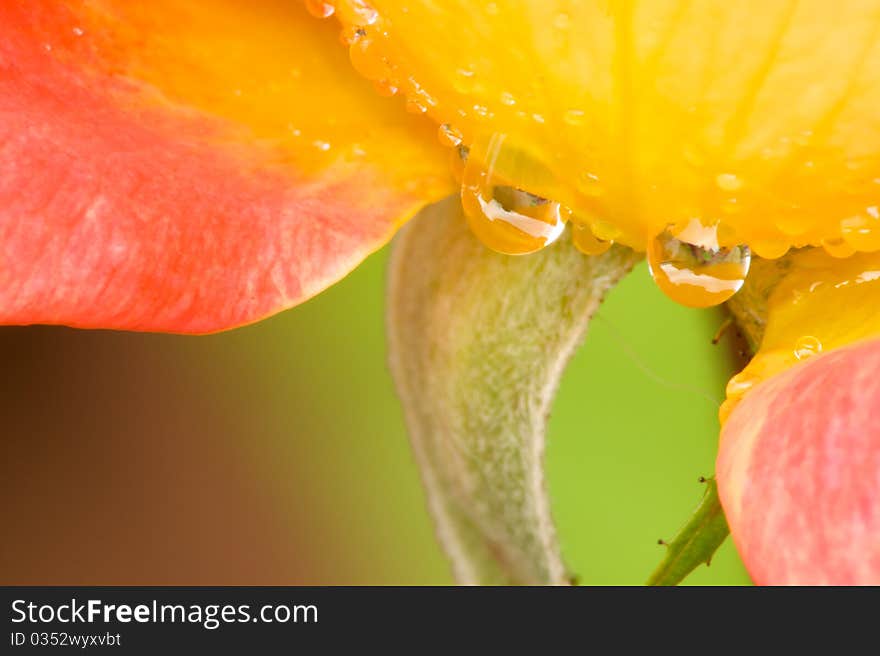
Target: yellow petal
(821,303)
(642,114)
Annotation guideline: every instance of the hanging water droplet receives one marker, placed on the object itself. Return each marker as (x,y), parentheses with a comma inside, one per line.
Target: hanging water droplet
(769,250)
(319,8)
(837,247)
(696,276)
(448,135)
(366,61)
(807,346)
(862,230)
(586,242)
(507,219)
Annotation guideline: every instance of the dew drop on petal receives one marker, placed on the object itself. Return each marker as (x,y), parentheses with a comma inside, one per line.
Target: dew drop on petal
(507,98)
(591,185)
(696,276)
(356,12)
(807,346)
(448,135)
(837,247)
(586,242)
(386,88)
(574,117)
(464,80)
(320,9)
(728,182)
(415,106)
(562,21)
(770,250)
(507,219)
(862,230)
(365,61)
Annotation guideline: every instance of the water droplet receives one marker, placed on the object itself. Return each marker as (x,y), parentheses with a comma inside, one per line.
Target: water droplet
(696,276)
(770,250)
(574,117)
(481,110)
(806,347)
(605,231)
(457,159)
(507,98)
(78,31)
(415,106)
(464,80)
(448,135)
(357,12)
(591,185)
(351,33)
(586,242)
(366,61)
(837,247)
(562,21)
(386,88)
(862,231)
(728,182)
(323,146)
(740,384)
(507,219)
(320,9)
(696,233)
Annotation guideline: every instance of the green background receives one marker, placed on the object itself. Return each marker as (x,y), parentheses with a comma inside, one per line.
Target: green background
(276,453)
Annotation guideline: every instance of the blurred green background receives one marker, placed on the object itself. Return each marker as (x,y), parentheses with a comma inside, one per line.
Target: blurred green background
(276,453)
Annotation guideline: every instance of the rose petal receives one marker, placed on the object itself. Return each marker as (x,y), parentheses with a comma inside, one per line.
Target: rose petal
(799,471)
(187,166)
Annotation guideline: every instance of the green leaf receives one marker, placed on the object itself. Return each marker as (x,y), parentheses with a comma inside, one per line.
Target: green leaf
(478,342)
(696,542)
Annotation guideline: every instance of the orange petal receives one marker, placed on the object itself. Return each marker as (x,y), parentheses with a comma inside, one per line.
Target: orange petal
(187,166)
(799,472)
(640,115)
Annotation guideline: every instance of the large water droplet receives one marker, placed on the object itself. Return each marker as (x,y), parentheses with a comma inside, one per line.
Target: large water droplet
(696,276)
(507,219)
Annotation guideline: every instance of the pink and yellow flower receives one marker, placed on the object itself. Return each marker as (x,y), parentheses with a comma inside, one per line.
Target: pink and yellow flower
(190,167)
